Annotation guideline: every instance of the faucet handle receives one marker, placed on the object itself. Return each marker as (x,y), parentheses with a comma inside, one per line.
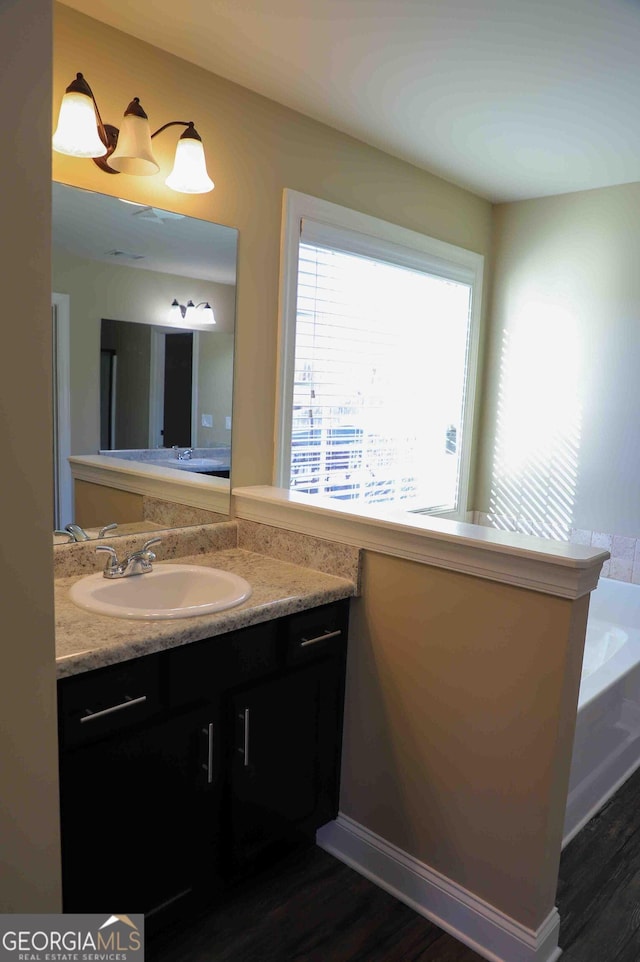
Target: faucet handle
(67,535)
(143,554)
(140,561)
(107,527)
(147,545)
(112,560)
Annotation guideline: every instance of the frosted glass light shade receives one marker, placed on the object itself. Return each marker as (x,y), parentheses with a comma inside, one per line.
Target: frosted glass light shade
(77,132)
(174,317)
(133,154)
(189,174)
(207,315)
(200,314)
(190,315)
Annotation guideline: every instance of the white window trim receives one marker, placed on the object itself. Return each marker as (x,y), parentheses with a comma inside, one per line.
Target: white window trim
(297,206)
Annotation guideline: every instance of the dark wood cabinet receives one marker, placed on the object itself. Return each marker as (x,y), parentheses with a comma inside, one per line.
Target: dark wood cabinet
(275,774)
(135,815)
(179,770)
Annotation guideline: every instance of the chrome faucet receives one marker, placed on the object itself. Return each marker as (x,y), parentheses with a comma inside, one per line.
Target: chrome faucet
(138,563)
(76,532)
(185,455)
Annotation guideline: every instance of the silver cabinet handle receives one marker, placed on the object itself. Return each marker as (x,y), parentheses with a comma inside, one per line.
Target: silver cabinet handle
(128,703)
(244,717)
(208,766)
(324,637)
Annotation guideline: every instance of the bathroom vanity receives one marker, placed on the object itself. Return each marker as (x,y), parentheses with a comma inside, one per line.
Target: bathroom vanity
(183,768)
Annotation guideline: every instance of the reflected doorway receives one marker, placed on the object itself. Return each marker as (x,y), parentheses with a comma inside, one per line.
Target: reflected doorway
(178,389)
(173,401)
(108,369)
(148,386)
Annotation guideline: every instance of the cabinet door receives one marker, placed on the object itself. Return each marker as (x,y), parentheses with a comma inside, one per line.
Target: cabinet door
(284,771)
(138,813)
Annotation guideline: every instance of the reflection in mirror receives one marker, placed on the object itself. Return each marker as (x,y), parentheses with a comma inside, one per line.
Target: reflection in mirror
(162,389)
(142,382)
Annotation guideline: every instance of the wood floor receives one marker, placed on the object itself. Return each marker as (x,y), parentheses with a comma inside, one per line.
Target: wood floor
(315,909)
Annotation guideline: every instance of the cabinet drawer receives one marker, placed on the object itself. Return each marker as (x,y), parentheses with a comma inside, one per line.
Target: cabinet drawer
(199,671)
(107,700)
(316,633)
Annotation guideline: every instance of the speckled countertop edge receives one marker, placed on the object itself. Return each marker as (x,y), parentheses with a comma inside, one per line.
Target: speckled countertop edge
(85,641)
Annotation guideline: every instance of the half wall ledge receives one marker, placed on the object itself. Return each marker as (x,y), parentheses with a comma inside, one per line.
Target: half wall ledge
(551,567)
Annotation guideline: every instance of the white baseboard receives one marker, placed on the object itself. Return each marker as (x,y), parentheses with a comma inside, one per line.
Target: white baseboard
(468,918)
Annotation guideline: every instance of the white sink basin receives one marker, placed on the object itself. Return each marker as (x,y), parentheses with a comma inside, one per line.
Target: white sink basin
(169,591)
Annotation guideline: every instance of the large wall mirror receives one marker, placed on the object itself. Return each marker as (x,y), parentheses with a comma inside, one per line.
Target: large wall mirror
(148,378)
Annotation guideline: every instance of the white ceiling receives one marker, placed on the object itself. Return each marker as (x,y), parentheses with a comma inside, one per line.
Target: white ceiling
(102,228)
(510,98)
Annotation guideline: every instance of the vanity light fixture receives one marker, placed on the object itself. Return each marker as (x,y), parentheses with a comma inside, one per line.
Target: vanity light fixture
(81,133)
(201,313)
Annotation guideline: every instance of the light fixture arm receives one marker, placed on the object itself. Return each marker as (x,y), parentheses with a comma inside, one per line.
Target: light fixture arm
(173,123)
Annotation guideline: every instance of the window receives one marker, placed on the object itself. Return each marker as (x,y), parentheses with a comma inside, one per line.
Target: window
(377,360)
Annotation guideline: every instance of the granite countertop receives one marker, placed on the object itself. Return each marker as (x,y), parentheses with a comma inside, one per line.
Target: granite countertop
(85,640)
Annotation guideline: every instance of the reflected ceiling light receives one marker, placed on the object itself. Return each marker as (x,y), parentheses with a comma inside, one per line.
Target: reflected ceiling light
(191,313)
(81,133)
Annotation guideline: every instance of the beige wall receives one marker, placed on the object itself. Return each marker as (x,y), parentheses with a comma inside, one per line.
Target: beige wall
(215,388)
(567,303)
(98,290)
(255,148)
(29,841)
(97,505)
(460,710)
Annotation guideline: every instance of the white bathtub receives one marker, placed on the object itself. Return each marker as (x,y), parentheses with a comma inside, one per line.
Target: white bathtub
(606,750)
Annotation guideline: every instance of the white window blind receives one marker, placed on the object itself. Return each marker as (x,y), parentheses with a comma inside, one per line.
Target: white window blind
(381,358)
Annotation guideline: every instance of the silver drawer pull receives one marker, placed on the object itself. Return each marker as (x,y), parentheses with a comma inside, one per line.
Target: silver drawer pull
(208,767)
(325,637)
(244,718)
(108,711)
